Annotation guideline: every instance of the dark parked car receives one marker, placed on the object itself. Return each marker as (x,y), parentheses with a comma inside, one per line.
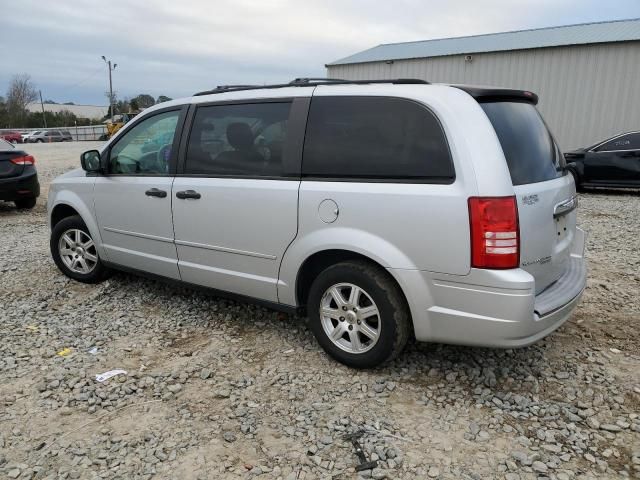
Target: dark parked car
(614,162)
(13,137)
(18,176)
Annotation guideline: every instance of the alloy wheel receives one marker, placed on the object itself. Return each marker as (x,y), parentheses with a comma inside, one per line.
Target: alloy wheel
(350,318)
(77,251)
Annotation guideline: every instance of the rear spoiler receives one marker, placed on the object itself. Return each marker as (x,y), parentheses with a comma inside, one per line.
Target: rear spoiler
(490,94)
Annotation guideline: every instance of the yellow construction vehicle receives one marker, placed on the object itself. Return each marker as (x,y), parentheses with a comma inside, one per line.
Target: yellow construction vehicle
(117,122)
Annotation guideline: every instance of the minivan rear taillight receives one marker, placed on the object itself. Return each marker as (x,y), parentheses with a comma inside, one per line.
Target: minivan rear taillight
(24,160)
(495,241)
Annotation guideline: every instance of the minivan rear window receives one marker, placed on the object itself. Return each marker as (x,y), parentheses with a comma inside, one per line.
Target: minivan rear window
(532,155)
(375,138)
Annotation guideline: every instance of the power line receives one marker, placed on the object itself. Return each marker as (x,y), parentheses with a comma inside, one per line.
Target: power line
(77,84)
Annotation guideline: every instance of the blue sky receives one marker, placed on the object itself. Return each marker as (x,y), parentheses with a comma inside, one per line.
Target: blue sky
(176,48)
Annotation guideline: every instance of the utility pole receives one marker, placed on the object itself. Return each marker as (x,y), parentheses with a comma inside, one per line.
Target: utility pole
(111,69)
(44,117)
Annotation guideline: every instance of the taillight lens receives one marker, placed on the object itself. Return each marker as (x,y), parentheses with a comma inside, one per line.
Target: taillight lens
(24,160)
(495,241)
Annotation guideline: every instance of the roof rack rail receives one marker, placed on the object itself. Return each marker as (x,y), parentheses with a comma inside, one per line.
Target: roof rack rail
(310,82)
(306,80)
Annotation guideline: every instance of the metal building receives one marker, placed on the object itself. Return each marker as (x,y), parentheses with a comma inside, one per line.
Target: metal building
(82,111)
(587,76)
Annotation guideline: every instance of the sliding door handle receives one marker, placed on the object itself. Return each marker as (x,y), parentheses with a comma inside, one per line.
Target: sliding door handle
(188,194)
(155,192)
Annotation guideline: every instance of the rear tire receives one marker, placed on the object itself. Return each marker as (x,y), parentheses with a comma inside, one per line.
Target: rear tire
(39,140)
(75,253)
(25,203)
(348,330)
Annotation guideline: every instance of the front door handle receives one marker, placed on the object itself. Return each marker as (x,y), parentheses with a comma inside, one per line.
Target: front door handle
(155,192)
(187,194)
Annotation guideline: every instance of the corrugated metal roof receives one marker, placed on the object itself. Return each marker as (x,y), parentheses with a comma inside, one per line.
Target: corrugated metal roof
(601,32)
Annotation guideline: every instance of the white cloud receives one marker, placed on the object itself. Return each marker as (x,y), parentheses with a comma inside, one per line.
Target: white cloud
(179,47)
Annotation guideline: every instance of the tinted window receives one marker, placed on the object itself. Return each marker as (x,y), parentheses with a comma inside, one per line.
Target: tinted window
(244,140)
(624,142)
(146,148)
(374,137)
(528,147)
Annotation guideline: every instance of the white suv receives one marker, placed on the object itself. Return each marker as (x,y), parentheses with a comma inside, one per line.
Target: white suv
(381,209)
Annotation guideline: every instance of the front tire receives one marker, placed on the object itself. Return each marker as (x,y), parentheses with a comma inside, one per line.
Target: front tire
(358,314)
(74,251)
(39,140)
(25,203)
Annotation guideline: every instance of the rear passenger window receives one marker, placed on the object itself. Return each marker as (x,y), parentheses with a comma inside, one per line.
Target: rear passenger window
(625,142)
(243,140)
(375,138)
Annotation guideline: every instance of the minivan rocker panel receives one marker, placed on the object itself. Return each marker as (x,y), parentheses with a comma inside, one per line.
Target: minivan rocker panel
(352,203)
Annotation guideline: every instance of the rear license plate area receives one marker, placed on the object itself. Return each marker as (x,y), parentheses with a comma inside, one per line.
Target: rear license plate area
(562,227)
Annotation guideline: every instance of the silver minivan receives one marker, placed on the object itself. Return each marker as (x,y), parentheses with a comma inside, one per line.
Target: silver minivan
(381,210)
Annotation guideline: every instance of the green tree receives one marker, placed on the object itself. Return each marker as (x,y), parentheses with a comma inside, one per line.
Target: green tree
(144,100)
(163,98)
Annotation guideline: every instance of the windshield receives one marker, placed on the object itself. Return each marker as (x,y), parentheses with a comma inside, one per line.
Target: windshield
(529,148)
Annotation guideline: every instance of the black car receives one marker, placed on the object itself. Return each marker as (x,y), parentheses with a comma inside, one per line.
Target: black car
(18,176)
(614,162)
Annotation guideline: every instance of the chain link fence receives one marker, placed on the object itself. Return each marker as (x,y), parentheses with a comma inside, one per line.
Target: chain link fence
(79,134)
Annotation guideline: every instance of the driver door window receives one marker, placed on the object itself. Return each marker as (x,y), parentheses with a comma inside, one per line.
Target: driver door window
(146,148)
(625,142)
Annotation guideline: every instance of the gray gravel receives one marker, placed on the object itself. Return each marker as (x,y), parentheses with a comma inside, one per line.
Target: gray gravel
(218,389)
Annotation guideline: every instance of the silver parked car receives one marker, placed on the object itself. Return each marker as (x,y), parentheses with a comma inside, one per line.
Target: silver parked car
(46,136)
(25,135)
(381,209)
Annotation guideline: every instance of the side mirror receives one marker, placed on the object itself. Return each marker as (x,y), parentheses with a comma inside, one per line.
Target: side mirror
(90,161)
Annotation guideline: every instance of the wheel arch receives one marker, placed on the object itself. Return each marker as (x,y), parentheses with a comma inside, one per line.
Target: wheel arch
(67,204)
(315,263)
(62,211)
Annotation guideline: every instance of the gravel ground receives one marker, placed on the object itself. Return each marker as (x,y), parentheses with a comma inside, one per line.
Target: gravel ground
(218,389)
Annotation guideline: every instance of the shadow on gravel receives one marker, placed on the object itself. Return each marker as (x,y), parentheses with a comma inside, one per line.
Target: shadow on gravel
(622,192)
(423,363)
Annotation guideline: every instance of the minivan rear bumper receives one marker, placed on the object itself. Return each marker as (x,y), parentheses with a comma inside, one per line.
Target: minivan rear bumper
(492,308)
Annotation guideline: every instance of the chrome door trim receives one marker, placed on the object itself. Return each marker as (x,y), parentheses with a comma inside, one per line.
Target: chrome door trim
(140,235)
(225,249)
